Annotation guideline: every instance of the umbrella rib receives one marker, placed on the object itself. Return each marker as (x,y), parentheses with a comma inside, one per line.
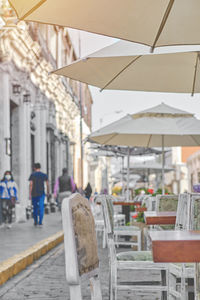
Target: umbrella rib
(195,140)
(121,72)
(111,138)
(32,9)
(149,140)
(163,22)
(195,74)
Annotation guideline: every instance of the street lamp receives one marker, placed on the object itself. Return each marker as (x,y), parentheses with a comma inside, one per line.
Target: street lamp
(16,89)
(27,98)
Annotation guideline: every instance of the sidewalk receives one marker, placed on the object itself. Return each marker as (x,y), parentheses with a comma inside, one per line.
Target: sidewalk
(24,243)
(24,235)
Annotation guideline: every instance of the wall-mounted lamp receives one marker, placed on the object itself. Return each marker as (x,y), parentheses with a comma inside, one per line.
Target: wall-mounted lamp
(8,146)
(33,115)
(27,98)
(16,88)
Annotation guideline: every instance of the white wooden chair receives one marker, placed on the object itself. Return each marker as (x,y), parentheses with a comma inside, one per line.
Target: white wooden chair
(187,219)
(81,257)
(121,232)
(166,203)
(98,219)
(151,285)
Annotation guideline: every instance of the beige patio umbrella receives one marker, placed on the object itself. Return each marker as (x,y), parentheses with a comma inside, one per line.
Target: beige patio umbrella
(129,66)
(152,22)
(158,126)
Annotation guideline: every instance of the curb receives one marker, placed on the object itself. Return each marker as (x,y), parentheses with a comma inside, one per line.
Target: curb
(19,262)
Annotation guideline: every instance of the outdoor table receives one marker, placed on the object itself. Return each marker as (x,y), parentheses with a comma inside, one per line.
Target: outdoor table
(123,203)
(177,247)
(126,207)
(160,218)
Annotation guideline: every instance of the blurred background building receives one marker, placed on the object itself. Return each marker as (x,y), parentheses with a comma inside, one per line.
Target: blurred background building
(42,118)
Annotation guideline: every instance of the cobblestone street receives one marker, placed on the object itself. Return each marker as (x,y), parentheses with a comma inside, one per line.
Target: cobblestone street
(45,279)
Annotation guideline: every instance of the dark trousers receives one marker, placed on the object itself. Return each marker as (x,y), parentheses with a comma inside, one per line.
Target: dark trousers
(38,208)
(7,210)
(1,214)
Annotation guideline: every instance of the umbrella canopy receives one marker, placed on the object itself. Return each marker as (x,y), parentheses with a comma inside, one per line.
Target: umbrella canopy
(151,167)
(159,126)
(147,129)
(127,66)
(108,150)
(152,22)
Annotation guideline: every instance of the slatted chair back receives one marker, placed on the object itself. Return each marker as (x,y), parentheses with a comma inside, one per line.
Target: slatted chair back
(81,256)
(109,202)
(182,212)
(166,202)
(194,212)
(149,201)
(109,227)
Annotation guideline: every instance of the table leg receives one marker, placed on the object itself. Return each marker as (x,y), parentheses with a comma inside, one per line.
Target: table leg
(197,281)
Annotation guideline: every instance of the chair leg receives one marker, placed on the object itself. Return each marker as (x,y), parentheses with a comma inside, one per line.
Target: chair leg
(139,240)
(95,288)
(75,292)
(164,283)
(183,288)
(104,239)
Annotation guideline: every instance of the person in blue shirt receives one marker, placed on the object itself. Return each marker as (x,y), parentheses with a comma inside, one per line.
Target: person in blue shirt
(37,193)
(8,197)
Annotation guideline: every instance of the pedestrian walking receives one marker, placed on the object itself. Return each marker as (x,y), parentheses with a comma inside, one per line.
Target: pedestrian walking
(64,187)
(88,191)
(37,193)
(8,197)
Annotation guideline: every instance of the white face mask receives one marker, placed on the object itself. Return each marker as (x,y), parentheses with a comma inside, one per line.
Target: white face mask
(8,177)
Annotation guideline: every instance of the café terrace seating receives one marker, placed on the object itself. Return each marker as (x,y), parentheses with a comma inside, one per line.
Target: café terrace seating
(123,234)
(152,284)
(158,280)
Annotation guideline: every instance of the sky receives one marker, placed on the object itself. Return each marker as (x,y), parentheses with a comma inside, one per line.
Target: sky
(109,105)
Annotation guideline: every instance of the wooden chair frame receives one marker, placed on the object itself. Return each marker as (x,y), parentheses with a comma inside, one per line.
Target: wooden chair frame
(73,254)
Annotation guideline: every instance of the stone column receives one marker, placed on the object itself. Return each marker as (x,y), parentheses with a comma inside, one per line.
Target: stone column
(40,136)
(24,160)
(4,122)
(57,150)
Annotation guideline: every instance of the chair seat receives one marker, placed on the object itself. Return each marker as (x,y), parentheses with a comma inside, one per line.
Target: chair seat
(127,228)
(135,256)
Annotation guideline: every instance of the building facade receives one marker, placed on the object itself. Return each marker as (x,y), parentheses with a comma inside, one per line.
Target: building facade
(193,163)
(40,118)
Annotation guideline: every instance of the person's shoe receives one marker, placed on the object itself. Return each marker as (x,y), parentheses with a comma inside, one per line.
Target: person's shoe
(9,226)
(40,225)
(35,223)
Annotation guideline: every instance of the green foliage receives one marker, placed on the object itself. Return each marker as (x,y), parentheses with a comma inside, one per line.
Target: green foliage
(140,217)
(159,192)
(138,191)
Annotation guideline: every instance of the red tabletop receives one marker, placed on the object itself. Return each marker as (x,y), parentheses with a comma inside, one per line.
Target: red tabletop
(175,246)
(160,218)
(127,203)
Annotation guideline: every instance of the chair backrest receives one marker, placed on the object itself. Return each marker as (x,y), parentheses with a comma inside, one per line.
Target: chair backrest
(81,256)
(147,200)
(108,226)
(194,212)
(182,212)
(166,202)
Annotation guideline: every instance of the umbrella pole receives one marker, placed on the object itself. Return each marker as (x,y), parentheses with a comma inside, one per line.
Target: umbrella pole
(163,166)
(128,175)
(122,178)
